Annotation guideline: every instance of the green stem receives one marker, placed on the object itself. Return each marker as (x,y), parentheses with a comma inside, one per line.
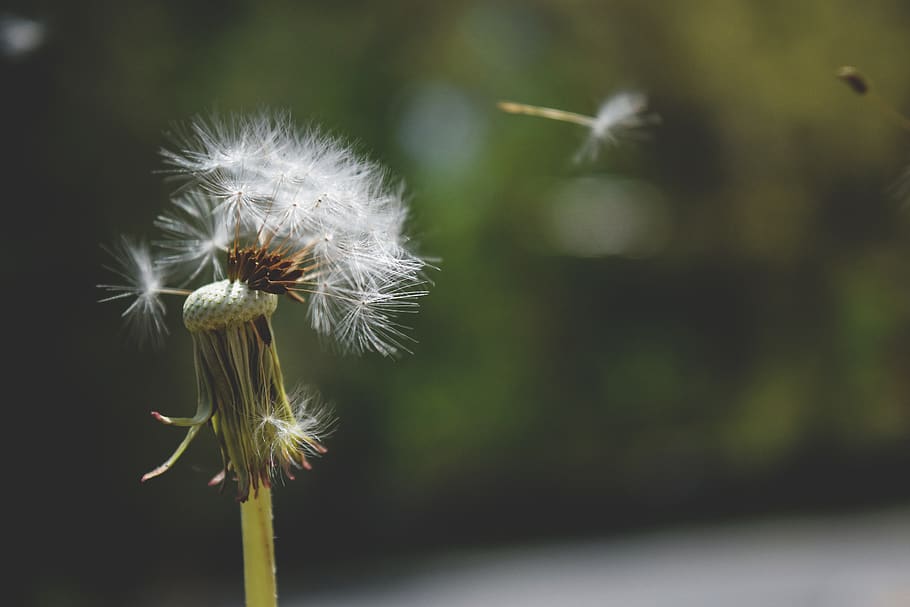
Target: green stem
(258,549)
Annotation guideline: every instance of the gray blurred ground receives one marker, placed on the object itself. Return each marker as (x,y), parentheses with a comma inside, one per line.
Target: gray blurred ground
(844,561)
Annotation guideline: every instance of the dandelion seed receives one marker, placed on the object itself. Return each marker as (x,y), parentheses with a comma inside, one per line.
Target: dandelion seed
(851,76)
(134,264)
(861,85)
(195,235)
(617,117)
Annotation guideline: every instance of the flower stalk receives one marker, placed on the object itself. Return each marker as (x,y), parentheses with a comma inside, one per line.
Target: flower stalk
(258,550)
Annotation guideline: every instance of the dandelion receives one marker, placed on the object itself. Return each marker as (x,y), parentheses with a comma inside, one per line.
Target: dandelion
(268,212)
(618,116)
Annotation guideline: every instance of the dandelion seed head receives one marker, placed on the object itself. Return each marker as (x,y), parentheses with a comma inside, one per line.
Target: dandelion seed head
(269,212)
(328,221)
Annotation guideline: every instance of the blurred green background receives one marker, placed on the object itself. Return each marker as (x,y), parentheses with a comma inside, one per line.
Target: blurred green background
(737,347)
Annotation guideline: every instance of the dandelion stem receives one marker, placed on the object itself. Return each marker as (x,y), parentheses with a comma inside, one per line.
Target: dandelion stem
(545,112)
(258,549)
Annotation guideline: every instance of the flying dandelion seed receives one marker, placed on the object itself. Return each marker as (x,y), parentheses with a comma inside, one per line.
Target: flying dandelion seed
(617,117)
(861,85)
(268,212)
